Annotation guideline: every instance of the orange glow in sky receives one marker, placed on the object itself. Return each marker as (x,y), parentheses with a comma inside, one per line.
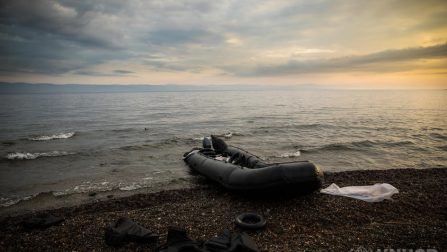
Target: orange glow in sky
(340,44)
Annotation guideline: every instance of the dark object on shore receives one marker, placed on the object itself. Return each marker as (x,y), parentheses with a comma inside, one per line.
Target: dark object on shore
(91,194)
(236,169)
(227,242)
(178,241)
(250,221)
(42,222)
(124,230)
(415,219)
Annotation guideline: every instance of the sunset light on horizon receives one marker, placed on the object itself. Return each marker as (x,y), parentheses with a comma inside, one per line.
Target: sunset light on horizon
(336,44)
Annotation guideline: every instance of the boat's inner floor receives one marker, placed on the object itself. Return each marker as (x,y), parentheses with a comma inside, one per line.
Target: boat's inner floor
(236,159)
(221,158)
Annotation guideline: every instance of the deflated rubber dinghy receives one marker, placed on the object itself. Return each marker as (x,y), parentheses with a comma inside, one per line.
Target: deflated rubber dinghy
(238,170)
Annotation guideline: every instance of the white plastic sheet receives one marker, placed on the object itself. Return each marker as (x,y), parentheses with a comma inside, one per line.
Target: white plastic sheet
(372,193)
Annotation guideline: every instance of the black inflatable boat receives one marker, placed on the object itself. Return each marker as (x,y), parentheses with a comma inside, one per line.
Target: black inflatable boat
(236,169)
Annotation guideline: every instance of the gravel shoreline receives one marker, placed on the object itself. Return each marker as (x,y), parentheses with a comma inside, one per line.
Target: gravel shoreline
(415,219)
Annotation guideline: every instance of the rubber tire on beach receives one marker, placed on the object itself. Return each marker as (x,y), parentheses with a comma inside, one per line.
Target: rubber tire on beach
(241,221)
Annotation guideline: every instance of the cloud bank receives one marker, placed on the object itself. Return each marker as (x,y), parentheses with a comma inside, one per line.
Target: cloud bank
(384,61)
(144,41)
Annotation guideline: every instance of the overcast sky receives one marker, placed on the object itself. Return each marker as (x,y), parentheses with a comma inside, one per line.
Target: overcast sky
(357,43)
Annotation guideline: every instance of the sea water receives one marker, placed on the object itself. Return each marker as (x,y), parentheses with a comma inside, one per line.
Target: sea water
(82,142)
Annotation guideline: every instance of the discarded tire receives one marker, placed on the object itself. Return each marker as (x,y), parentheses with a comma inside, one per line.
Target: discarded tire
(252,221)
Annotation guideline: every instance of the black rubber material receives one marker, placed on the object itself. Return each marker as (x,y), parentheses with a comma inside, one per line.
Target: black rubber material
(247,172)
(178,241)
(206,143)
(42,222)
(241,221)
(231,242)
(125,230)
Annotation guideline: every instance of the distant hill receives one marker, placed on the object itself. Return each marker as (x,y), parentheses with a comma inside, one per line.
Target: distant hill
(11,88)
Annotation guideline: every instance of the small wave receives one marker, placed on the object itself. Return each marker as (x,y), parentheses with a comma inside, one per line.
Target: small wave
(53,137)
(286,128)
(174,141)
(87,186)
(227,135)
(131,187)
(290,154)
(27,155)
(398,143)
(135,147)
(430,128)
(336,147)
(6,202)
(358,145)
(438,136)
(311,126)
(198,138)
(84,187)
(230,134)
(8,143)
(127,130)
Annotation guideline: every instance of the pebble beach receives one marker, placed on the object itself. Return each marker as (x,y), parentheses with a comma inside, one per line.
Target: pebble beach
(416,218)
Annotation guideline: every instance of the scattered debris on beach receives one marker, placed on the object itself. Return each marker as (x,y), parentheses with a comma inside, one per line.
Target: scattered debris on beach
(416,218)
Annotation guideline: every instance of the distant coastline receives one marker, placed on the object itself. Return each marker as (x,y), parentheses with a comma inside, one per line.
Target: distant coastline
(41,88)
(47,88)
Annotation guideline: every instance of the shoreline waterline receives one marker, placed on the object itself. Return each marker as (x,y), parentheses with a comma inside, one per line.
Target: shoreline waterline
(310,222)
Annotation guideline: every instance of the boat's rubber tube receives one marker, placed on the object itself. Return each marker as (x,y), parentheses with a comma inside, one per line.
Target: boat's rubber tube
(299,176)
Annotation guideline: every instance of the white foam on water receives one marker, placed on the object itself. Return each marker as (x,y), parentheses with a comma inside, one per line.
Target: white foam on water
(228,135)
(53,137)
(61,193)
(131,187)
(28,155)
(88,186)
(290,154)
(6,202)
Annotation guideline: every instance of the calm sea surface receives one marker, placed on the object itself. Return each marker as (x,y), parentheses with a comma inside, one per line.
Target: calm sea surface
(73,143)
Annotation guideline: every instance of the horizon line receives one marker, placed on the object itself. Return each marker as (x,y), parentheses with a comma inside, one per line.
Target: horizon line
(266,87)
